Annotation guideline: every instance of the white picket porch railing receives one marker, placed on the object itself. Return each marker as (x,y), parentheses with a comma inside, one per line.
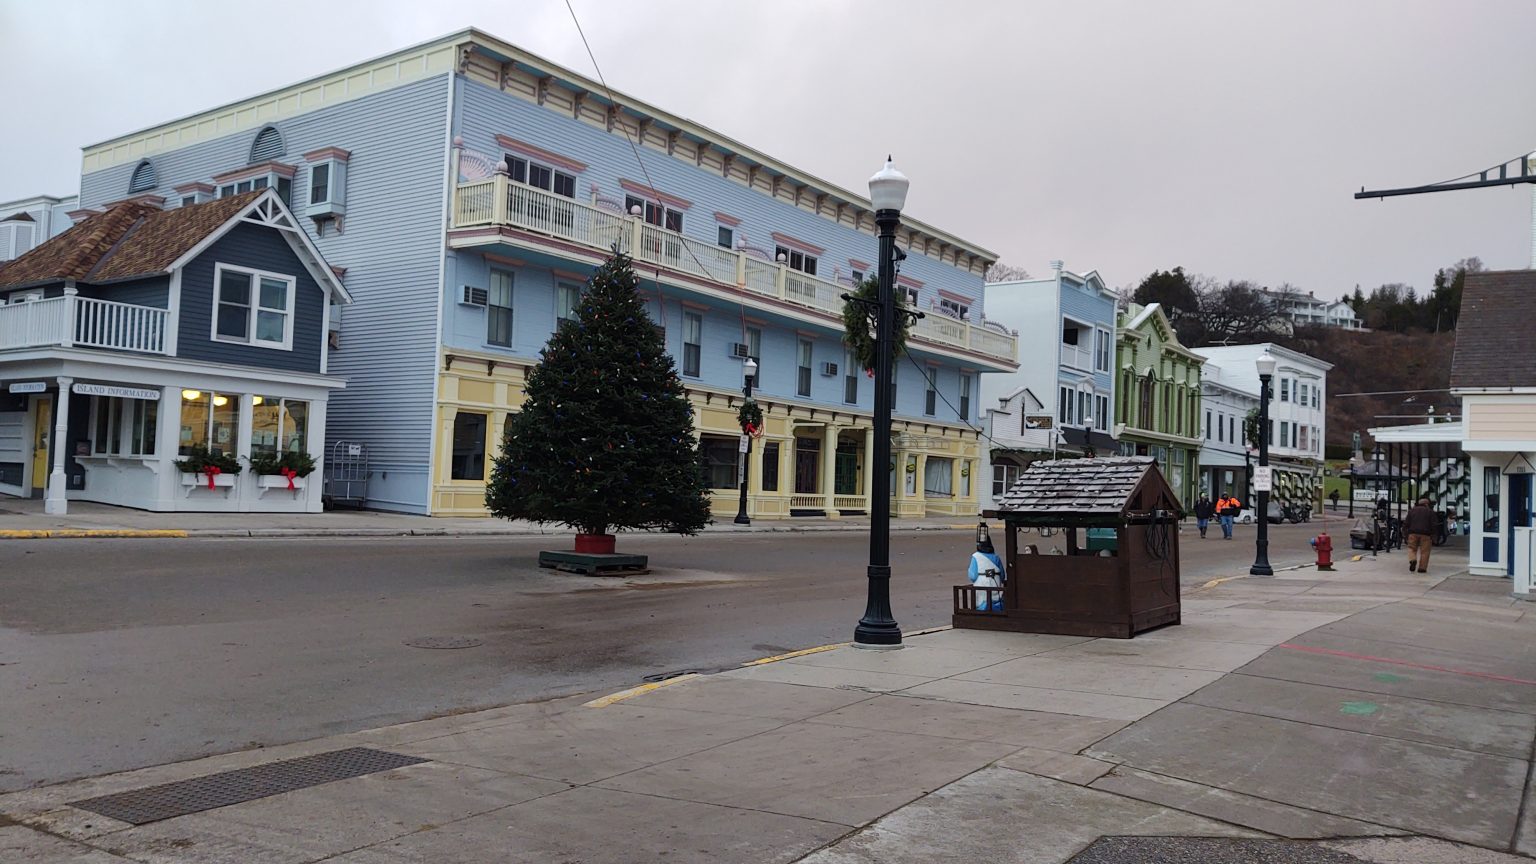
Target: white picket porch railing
(72,321)
(500,201)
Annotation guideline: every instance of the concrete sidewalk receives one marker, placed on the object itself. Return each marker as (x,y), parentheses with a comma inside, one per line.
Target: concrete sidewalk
(1363,715)
(23,518)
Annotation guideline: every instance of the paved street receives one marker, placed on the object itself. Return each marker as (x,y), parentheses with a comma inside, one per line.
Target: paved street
(118,654)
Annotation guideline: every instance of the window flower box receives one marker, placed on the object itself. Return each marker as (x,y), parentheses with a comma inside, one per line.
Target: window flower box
(277,481)
(201,479)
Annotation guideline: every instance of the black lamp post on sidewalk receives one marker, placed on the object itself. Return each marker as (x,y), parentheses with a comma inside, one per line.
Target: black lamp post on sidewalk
(749,375)
(878,628)
(1266,364)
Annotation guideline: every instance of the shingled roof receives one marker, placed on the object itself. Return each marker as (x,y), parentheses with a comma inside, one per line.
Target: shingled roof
(1498,316)
(130,239)
(1080,487)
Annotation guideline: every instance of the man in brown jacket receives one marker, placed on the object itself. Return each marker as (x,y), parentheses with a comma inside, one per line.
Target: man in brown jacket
(1420,528)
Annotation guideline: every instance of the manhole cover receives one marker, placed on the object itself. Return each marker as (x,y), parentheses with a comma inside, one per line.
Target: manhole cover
(444,642)
(142,806)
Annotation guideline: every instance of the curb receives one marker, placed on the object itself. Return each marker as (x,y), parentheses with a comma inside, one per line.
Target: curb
(260,533)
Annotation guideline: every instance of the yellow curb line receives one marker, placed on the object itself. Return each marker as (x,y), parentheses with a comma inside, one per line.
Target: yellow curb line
(620,696)
(801,653)
(77,533)
(1214,582)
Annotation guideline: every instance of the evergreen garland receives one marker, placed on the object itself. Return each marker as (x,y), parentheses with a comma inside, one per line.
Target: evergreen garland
(859,326)
(750,416)
(604,439)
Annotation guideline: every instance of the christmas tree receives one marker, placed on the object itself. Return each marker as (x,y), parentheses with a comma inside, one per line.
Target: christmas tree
(604,439)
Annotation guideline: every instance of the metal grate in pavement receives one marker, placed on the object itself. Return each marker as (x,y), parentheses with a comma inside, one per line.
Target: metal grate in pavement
(170,800)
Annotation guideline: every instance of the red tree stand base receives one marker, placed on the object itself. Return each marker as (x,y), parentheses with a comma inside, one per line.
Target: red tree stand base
(595,544)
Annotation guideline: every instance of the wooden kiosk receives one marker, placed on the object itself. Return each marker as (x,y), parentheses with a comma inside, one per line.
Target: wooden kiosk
(1107,560)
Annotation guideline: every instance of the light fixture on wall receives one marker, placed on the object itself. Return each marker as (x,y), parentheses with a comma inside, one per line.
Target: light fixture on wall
(220,401)
(191,395)
(257,400)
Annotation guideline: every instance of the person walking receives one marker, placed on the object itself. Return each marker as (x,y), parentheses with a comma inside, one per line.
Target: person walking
(1227,508)
(1204,510)
(1334,497)
(1420,527)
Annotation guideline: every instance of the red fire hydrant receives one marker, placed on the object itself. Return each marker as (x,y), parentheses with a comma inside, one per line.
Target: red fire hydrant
(1324,551)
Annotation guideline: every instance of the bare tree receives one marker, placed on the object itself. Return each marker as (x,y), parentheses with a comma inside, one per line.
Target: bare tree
(1234,311)
(1000,272)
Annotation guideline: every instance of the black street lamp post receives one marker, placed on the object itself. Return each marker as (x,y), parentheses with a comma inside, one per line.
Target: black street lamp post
(878,628)
(749,374)
(1261,567)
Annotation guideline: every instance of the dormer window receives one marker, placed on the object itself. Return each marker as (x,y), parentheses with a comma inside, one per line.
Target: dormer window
(267,175)
(189,194)
(327,183)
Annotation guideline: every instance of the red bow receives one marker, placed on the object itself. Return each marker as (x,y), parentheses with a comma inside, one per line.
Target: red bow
(290,474)
(749,429)
(212,471)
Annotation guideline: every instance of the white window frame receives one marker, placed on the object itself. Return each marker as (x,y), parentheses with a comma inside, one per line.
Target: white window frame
(331,176)
(1101,350)
(562,314)
(1066,403)
(254,306)
(694,322)
(954,308)
(794,259)
(911,296)
(1101,412)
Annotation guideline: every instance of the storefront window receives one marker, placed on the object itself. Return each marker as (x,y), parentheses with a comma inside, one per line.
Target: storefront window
(278,426)
(194,420)
(771,467)
(468,446)
(938,478)
(123,427)
(718,455)
(146,415)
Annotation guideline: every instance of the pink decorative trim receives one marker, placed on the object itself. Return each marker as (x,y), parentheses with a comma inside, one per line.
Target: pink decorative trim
(336,153)
(758,321)
(861,266)
(723,219)
(800,245)
(909,282)
(541,154)
(81,214)
(502,259)
(340,272)
(147,198)
(645,191)
(689,304)
(190,188)
(256,170)
(566,274)
(958,298)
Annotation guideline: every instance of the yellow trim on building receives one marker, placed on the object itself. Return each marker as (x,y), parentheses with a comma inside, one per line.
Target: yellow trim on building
(473,381)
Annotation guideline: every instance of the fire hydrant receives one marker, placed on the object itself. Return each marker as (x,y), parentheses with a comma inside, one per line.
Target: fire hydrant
(1324,546)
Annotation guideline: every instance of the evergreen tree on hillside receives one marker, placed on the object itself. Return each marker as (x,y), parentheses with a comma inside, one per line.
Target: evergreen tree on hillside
(605,437)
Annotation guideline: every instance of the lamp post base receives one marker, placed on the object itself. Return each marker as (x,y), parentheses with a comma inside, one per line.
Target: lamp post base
(742,519)
(878,629)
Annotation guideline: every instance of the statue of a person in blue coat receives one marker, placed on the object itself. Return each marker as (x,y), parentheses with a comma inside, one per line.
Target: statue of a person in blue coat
(986,571)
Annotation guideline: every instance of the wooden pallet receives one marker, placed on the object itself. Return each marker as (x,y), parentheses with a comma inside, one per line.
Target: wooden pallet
(588,564)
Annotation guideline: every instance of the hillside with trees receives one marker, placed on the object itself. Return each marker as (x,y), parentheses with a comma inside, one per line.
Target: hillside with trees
(1408,345)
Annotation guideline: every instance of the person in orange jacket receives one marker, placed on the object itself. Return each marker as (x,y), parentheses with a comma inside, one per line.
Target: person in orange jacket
(1227,508)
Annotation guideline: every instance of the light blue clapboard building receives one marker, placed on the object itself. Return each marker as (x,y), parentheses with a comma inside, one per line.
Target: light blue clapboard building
(463,191)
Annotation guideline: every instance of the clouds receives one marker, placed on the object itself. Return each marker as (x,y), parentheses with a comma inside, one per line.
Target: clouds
(1123,136)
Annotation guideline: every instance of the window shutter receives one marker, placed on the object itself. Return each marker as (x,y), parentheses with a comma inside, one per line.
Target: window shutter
(267,146)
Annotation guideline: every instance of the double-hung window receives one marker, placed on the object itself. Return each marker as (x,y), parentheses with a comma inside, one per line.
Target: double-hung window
(755,351)
(725,238)
(1101,413)
(954,308)
(541,176)
(253,307)
(498,309)
(654,213)
(850,378)
(930,394)
(693,335)
(1285,389)
(1101,350)
(965,398)
(567,299)
(795,259)
(803,369)
(1208,426)
(1065,402)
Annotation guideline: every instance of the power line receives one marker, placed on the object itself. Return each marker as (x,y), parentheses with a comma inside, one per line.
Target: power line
(1390,392)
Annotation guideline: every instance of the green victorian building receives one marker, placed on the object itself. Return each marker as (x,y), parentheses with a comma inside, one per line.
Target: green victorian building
(1159,397)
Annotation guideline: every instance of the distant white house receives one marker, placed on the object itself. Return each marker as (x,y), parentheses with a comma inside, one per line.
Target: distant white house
(1305,309)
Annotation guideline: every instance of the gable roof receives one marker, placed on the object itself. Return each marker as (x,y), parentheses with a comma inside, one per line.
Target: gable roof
(1498,316)
(136,238)
(130,239)
(1078,487)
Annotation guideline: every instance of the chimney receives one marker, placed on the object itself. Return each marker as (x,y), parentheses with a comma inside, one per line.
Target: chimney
(1057,265)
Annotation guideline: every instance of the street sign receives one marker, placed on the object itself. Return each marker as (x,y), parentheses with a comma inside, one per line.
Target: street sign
(29,387)
(1263,479)
(745,442)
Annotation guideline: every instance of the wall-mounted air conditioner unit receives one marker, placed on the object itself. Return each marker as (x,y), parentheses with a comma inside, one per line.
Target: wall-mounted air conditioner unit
(739,350)
(473,296)
(829,370)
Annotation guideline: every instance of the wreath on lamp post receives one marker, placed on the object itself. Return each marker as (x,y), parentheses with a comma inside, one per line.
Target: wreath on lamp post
(859,323)
(750,417)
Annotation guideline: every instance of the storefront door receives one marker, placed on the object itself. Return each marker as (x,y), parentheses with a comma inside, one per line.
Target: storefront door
(846,479)
(41,430)
(1518,515)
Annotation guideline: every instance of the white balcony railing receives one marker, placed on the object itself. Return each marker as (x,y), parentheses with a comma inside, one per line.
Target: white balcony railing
(499,201)
(72,320)
(1076,356)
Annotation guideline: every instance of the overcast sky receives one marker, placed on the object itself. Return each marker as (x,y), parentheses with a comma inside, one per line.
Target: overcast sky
(1226,137)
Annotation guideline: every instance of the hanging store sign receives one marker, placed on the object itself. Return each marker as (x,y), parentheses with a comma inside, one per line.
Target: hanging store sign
(116,391)
(29,387)
(1038,421)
